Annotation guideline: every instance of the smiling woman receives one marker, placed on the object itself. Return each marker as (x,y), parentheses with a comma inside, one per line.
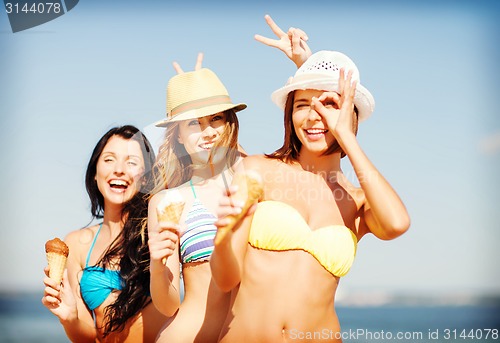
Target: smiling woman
(105,293)
(211,127)
(305,230)
(195,160)
(119,169)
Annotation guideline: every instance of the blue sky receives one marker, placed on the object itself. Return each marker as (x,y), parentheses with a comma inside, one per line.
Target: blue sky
(435,134)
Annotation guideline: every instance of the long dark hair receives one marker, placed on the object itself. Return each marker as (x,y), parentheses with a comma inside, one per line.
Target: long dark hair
(290,150)
(130,246)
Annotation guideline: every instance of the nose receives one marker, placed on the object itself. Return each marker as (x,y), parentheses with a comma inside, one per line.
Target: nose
(313,115)
(119,167)
(208,132)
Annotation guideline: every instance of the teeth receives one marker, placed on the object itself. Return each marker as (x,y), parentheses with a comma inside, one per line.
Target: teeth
(118,183)
(315,131)
(206,146)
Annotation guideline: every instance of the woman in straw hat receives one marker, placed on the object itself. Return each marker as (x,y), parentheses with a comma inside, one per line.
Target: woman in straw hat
(195,163)
(105,294)
(284,262)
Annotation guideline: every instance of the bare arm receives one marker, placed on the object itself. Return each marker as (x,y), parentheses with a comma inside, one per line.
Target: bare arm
(163,244)
(229,252)
(383,212)
(226,261)
(66,303)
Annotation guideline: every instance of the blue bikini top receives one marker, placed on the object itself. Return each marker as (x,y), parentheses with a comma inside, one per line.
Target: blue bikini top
(97,283)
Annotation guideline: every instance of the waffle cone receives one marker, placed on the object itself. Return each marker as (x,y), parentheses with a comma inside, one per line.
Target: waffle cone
(250,190)
(57,264)
(170,213)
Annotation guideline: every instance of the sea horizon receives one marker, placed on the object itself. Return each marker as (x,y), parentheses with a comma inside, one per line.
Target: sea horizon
(364,317)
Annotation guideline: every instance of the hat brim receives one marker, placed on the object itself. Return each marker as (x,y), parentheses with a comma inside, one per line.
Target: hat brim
(201,112)
(363,99)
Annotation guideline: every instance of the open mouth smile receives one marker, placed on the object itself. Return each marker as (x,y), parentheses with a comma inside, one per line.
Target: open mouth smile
(314,134)
(206,146)
(118,185)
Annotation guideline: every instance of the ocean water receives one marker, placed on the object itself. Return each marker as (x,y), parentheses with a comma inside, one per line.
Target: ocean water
(23,319)
(403,323)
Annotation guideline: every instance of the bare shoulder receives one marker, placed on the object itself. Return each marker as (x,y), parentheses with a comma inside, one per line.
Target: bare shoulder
(79,241)
(81,236)
(261,163)
(253,161)
(357,193)
(155,199)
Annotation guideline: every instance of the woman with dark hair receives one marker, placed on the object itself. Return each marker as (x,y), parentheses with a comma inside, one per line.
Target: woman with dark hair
(105,293)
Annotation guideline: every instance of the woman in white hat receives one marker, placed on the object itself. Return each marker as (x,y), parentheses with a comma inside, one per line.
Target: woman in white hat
(194,164)
(284,262)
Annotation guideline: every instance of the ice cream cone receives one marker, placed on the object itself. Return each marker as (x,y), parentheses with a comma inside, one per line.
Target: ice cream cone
(57,254)
(250,190)
(170,209)
(170,213)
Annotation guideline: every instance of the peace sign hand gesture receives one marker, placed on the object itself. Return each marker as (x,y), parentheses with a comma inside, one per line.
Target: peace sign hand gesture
(197,66)
(293,43)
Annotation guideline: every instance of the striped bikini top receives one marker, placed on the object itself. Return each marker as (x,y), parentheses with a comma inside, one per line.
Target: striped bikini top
(197,241)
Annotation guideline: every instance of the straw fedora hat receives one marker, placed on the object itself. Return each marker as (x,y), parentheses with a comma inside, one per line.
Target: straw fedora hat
(321,72)
(196,94)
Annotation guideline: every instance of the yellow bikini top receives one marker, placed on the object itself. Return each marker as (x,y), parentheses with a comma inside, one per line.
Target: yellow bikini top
(278,226)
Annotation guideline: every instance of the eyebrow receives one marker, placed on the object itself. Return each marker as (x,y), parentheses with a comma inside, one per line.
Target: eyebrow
(301,100)
(112,153)
(211,116)
(135,156)
(107,152)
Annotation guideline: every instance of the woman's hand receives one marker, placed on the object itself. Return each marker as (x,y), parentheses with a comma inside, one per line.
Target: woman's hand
(228,206)
(293,43)
(59,298)
(338,108)
(163,240)
(199,61)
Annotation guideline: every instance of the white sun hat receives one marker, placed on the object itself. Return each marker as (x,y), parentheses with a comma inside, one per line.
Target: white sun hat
(321,72)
